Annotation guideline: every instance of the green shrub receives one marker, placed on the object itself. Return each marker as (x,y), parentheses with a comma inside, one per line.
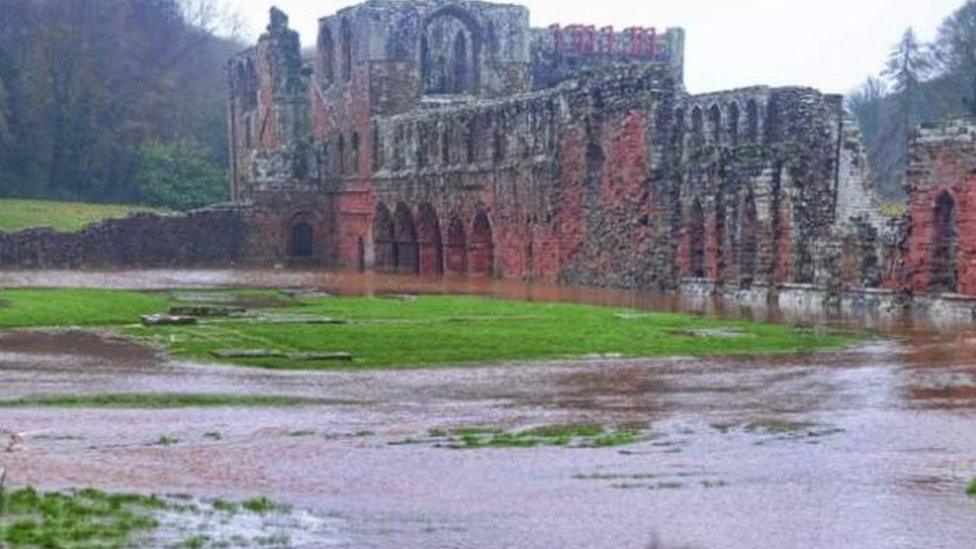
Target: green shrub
(179,175)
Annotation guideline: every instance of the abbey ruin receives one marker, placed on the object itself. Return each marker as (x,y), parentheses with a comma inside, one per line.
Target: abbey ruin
(450,137)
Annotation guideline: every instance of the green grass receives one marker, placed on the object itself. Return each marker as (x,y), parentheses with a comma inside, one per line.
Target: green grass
(971,489)
(17,214)
(426,331)
(93,518)
(86,518)
(441,330)
(52,308)
(573,436)
(157,401)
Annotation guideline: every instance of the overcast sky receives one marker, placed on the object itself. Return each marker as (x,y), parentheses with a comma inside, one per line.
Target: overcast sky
(829,44)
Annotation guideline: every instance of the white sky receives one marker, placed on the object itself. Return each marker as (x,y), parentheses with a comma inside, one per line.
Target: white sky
(829,44)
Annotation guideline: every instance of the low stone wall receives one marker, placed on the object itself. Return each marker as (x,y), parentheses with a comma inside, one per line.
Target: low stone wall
(205,238)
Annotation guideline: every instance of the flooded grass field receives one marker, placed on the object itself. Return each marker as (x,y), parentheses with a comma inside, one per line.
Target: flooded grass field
(867,445)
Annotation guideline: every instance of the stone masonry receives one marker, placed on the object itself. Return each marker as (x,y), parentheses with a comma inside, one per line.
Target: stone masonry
(433,137)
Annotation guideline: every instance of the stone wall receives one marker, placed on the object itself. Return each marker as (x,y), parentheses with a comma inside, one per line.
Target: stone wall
(941,246)
(216,237)
(612,176)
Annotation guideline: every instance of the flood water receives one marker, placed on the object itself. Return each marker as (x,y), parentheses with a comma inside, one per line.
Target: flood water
(867,447)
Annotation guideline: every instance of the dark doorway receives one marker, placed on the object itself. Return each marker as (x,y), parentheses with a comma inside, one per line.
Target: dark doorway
(696,241)
(945,273)
(302,244)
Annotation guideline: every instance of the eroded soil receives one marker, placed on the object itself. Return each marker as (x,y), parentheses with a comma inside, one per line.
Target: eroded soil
(869,447)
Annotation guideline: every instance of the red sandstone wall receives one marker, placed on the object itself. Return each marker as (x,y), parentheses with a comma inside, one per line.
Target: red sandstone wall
(939,168)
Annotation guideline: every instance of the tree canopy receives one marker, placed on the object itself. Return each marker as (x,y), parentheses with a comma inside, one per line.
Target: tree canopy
(84,83)
(921,82)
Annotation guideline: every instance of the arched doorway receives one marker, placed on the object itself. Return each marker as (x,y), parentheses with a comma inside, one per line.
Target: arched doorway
(481,252)
(429,241)
(695,235)
(457,251)
(406,250)
(945,273)
(302,240)
(384,246)
(748,241)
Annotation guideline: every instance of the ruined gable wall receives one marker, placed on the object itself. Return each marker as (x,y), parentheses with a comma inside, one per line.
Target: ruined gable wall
(942,164)
(756,173)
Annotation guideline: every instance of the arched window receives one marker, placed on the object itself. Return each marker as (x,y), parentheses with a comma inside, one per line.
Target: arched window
(715,121)
(945,250)
(384,255)
(430,248)
(734,123)
(696,240)
(748,239)
(406,250)
(696,125)
(449,51)
(460,77)
(481,253)
(678,131)
(499,146)
(456,259)
(326,56)
(752,121)
(354,161)
(346,32)
(341,155)
(302,245)
(377,148)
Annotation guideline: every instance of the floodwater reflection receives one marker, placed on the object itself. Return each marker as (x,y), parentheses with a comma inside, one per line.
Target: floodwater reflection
(866,447)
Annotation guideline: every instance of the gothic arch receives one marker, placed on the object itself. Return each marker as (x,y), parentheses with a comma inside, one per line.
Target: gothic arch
(481,250)
(450,52)
(697,125)
(384,245)
(695,240)
(678,131)
(752,121)
(733,117)
(457,248)
(945,246)
(301,240)
(748,238)
(326,53)
(715,124)
(345,32)
(431,251)
(406,249)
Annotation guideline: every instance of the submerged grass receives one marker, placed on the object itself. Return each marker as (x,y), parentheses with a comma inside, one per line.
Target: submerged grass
(86,518)
(157,401)
(574,436)
(423,331)
(93,518)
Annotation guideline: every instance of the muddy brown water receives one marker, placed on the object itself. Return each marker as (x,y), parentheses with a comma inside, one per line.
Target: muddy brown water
(884,463)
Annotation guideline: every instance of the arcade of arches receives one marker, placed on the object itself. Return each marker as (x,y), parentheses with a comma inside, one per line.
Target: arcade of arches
(411,241)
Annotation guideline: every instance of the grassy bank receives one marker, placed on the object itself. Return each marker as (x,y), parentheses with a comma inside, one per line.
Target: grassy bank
(406,331)
(17,214)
